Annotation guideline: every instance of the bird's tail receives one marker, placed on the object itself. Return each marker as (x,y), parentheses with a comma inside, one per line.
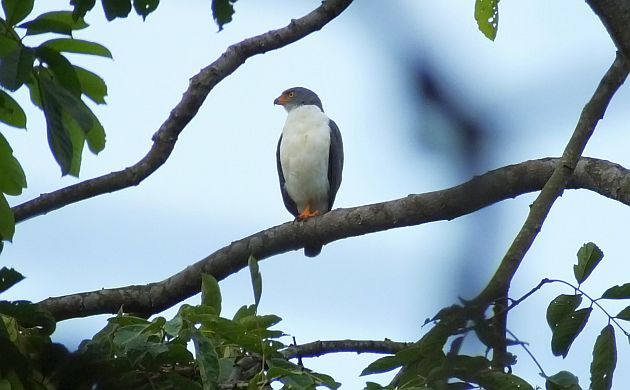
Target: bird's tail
(312,251)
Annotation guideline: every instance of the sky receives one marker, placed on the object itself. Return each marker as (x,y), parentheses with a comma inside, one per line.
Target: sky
(220,184)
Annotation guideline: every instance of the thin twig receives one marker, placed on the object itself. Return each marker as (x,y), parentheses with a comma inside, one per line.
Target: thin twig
(531,355)
(515,302)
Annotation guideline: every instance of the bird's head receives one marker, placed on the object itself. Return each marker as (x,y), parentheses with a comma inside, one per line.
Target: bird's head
(296,97)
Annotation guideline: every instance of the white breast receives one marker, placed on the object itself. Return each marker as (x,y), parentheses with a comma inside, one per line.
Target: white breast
(304,157)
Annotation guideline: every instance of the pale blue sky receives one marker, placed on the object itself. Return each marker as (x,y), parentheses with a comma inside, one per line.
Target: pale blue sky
(220,183)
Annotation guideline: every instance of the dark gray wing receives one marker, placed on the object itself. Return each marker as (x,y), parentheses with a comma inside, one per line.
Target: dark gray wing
(288,202)
(335,162)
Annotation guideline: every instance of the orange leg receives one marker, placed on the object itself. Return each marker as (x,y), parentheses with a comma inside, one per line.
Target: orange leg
(307,213)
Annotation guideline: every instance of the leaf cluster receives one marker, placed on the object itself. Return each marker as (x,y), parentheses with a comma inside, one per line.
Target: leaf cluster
(222,10)
(566,320)
(435,361)
(28,358)
(133,352)
(56,86)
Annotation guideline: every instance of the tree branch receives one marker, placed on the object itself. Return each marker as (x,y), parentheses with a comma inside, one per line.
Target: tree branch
(200,86)
(497,288)
(319,348)
(591,114)
(606,178)
(615,15)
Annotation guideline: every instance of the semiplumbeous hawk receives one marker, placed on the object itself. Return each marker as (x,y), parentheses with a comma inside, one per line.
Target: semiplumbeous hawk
(309,158)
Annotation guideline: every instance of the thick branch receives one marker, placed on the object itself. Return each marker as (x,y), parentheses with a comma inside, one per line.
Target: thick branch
(497,289)
(615,15)
(319,348)
(608,179)
(166,136)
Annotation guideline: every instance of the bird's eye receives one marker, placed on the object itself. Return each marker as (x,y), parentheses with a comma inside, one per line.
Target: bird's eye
(291,94)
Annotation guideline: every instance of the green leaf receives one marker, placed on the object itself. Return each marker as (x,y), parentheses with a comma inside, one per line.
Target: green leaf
(7,220)
(568,329)
(16,67)
(297,380)
(222,11)
(617,292)
(487,17)
(174,326)
(10,111)
(68,119)
(294,375)
(145,7)
(16,10)
(7,45)
(70,45)
(81,7)
(226,369)
(244,311)
(563,380)
(58,133)
(624,314)
(201,314)
(384,364)
(589,256)
(254,272)
(561,307)
(95,137)
(259,322)
(325,380)
(60,22)
(210,292)
(116,8)
(207,359)
(604,359)
(29,315)
(493,379)
(129,335)
(92,85)
(12,177)
(61,68)
(77,139)
(8,278)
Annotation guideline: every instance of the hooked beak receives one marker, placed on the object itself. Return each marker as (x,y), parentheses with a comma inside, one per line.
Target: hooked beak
(281,100)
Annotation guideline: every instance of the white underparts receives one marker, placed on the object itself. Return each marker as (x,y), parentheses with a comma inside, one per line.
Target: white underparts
(304,157)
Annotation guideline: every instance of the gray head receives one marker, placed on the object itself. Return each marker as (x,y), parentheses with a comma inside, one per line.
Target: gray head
(298,96)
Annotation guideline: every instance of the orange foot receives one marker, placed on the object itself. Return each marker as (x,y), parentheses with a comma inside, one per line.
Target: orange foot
(307,213)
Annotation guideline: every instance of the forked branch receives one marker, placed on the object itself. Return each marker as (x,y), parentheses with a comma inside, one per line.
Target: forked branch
(606,178)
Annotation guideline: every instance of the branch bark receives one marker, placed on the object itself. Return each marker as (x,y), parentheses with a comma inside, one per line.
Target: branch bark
(319,348)
(615,15)
(497,288)
(606,178)
(166,136)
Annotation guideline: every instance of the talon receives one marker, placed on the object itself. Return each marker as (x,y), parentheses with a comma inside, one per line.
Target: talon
(307,213)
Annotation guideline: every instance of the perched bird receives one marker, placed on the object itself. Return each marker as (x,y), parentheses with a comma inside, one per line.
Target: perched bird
(309,157)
